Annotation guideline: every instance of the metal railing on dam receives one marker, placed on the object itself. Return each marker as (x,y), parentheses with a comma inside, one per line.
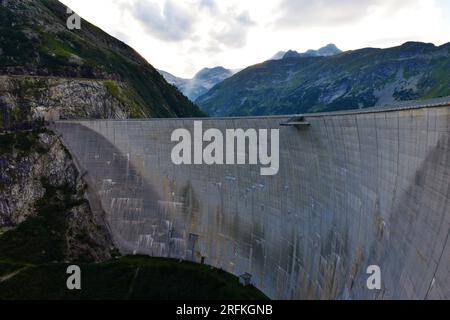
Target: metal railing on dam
(354,189)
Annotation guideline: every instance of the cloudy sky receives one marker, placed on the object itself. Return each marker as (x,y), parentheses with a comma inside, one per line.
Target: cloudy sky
(183,36)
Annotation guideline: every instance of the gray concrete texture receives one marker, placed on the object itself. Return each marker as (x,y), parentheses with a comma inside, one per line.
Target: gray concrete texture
(353,190)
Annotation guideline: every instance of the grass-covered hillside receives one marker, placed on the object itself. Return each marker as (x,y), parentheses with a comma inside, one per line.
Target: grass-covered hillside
(132,277)
(349,80)
(35,41)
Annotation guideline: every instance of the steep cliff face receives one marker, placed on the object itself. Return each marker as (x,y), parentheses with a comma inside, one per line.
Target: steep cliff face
(44,215)
(25,98)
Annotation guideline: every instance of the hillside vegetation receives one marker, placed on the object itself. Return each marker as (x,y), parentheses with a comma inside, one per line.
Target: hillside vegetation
(350,80)
(35,41)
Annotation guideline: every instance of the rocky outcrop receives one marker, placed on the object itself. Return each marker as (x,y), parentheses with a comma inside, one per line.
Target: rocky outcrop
(31,164)
(25,98)
(87,238)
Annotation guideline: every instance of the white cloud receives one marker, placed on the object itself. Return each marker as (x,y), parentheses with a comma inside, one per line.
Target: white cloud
(183,36)
(296,13)
(169,23)
(232,29)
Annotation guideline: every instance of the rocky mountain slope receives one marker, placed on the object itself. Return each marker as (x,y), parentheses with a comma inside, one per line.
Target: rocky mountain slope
(44,214)
(204,80)
(207,78)
(350,80)
(326,51)
(35,41)
(24,98)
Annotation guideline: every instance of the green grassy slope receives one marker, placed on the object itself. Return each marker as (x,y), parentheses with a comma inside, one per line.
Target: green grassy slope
(34,40)
(350,80)
(134,277)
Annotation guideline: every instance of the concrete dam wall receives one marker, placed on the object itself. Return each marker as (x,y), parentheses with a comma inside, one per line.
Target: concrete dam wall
(353,189)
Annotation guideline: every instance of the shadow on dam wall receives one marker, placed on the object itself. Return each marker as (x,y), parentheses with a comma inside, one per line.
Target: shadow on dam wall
(354,189)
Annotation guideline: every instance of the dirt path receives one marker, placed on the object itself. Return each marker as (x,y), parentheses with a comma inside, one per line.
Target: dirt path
(12,275)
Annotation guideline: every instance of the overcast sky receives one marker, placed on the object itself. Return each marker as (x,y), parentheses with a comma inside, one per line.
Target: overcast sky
(184,36)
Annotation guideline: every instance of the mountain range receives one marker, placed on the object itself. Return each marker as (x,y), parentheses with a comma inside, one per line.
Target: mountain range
(87,73)
(328,50)
(203,81)
(207,78)
(300,83)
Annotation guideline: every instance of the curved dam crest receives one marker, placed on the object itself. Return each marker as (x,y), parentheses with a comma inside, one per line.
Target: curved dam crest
(353,189)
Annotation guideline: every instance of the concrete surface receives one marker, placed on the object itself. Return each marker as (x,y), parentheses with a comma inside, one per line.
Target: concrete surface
(354,189)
